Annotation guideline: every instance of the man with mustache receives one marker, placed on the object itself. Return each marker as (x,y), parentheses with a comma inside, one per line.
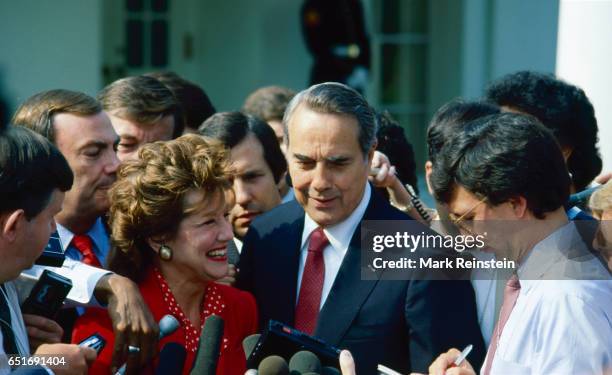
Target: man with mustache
(259,168)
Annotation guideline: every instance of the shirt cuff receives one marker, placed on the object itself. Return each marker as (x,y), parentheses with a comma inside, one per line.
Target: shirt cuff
(84,279)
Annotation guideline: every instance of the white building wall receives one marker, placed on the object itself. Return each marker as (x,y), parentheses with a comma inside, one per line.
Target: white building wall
(583,58)
(243,45)
(47,45)
(523,35)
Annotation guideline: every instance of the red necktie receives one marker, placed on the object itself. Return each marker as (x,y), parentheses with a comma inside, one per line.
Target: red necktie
(309,300)
(511,293)
(83,244)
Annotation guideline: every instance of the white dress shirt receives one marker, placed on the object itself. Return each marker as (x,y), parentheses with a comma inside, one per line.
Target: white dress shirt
(339,236)
(238,244)
(17,324)
(18,328)
(484,281)
(562,320)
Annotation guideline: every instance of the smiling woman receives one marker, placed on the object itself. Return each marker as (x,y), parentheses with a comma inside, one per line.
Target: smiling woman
(170,231)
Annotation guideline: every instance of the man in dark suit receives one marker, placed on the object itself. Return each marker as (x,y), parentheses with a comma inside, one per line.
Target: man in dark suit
(302,259)
(259,166)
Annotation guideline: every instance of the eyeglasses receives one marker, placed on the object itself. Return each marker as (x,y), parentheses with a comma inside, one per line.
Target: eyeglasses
(460,222)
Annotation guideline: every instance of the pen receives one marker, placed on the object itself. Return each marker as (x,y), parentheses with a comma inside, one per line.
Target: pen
(463,355)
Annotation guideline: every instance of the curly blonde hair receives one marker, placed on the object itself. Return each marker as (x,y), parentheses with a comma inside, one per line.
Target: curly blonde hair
(148,199)
(601,200)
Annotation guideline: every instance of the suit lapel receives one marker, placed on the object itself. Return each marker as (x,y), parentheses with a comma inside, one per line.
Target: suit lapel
(287,263)
(348,292)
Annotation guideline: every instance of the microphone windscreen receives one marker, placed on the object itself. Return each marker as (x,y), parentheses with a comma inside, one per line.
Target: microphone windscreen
(304,361)
(210,345)
(273,365)
(167,325)
(248,344)
(171,359)
(328,370)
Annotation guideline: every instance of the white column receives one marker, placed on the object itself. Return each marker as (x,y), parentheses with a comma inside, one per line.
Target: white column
(583,58)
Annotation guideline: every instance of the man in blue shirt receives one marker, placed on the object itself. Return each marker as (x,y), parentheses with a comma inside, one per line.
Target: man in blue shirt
(83,133)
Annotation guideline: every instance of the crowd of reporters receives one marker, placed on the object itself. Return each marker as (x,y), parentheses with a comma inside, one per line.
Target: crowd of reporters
(179,246)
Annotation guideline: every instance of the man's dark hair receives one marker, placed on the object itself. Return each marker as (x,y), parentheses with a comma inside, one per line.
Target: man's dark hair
(31,168)
(194,102)
(232,128)
(142,99)
(393,142)
(450,119)
(501,157)
(268,103)
(561,107)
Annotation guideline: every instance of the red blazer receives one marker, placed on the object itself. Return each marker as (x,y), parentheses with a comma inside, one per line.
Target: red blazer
(239,313)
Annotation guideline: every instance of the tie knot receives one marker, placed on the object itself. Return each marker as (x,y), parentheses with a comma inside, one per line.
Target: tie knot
(318,241)
(82,242)
(513,282)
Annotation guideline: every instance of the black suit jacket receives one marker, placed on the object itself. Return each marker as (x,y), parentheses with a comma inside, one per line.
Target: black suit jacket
(404,325)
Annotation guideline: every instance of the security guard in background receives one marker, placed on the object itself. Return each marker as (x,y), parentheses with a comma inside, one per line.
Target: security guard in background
(336,36)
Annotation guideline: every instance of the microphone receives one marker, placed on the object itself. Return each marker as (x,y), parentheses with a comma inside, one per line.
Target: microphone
(304,361)
(171,359)
(273,365)
(248,344)
(167,325)
(209,348)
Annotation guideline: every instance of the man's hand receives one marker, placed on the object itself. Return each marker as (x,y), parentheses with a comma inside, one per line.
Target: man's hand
(132,322)
(603,178)
(42,331)
(230,278)
(382,173)
(444,365)
(77,359)
(347,364)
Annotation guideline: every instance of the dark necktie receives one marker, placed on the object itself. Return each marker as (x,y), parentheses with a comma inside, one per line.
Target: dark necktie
(83,244)
(511,293)
(8,336)
(309,300)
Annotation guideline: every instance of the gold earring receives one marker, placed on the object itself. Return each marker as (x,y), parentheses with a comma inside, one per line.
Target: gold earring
(165,253)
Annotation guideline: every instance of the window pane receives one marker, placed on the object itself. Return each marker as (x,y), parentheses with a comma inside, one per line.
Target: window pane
(403,16)
(134,5)
(159,6)
(159,43)
(403,74)
(135,43)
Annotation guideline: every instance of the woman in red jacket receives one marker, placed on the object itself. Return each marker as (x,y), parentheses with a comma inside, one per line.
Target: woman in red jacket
(169,227)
